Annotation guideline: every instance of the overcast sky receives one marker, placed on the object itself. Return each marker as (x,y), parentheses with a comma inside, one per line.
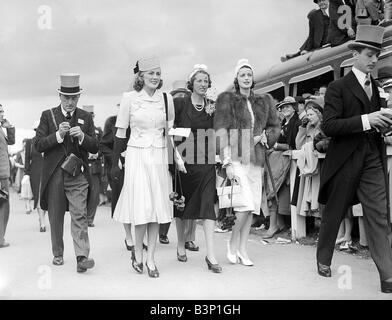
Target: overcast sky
(102,39)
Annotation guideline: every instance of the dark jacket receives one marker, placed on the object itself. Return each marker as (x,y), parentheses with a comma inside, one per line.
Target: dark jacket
(289,132)
(318,30)
(232,113)
(337,34)
(33,168)
(345,102)
(5,141)
(54,152)
(107,141)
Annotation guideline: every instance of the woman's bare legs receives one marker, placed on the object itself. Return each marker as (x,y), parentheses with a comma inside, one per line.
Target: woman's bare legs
(180,226)
(208,226)
(152,237)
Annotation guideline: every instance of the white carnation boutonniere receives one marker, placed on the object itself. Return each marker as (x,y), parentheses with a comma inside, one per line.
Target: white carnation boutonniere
(210,107)
(210,103)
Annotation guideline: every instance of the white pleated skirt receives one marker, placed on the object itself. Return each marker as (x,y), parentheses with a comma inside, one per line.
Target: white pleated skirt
(251,186)
(144,197)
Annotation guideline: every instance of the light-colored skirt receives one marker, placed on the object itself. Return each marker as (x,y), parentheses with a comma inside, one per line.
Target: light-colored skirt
(144,197)
(251,186)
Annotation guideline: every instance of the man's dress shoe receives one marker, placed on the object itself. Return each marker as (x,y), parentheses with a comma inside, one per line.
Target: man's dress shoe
(386,287)
(163,239)
(58,261)
(84,263)
(4,245)
(323,270)
(190,245)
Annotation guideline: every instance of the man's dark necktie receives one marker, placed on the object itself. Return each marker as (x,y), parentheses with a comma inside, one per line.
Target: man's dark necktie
(368,87)
(69,117)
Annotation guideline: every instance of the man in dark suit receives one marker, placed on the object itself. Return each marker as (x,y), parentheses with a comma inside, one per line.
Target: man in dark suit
(95,171)
(66,135)
(355,166)
(106,147)
(342,22)
(7,137)
(318,27)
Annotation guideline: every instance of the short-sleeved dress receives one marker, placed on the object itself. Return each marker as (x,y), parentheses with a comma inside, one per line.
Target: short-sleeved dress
(144,197)
(198,184)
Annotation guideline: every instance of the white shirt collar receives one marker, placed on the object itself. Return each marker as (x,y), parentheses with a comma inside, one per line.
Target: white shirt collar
(65,113)
(361,76)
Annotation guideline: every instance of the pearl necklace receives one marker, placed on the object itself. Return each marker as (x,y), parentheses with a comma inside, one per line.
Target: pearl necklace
(199,107)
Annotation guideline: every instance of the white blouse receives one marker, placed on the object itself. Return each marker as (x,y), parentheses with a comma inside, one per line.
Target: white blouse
(146,117)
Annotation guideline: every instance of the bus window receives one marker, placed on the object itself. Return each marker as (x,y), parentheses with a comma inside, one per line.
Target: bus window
(276,90)
(278,94)
(313,84)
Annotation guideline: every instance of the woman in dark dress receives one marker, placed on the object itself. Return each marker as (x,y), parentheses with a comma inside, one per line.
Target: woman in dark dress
(197,164)
(33,168)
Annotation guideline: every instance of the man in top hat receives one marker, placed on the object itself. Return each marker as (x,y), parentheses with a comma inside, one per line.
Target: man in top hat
(95,162)
(7,137)
(66,135)
(354,169)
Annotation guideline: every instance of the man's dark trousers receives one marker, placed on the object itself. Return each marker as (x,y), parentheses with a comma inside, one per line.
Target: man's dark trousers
(93,201)
(361,175)
(4,209)
(63,187)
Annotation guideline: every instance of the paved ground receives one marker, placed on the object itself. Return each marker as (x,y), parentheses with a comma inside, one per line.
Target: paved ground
(280,271)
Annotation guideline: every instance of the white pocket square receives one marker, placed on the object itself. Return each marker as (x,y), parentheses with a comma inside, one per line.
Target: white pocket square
(81,121)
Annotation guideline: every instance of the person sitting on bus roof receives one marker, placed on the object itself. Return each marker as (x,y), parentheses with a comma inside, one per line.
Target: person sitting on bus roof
(340,29)
(369,11)
(318,30)
(318,27)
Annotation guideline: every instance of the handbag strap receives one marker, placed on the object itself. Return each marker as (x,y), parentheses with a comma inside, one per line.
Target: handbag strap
(166,113)
(57,128)
(272,181)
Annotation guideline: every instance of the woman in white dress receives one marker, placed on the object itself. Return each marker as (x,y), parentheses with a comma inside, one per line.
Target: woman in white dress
(144,200)
(246,123)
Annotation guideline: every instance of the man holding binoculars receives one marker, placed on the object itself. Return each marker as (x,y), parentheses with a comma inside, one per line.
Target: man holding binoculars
(66,135)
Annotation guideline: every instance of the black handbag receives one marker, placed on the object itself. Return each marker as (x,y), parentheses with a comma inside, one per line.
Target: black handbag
(72,165)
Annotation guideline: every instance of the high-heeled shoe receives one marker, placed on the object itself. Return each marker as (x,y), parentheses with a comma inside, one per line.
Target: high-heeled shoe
(152,273)
(244,261)
(214,267)
(137,266)
(231,257)
(129,248)
(182,257)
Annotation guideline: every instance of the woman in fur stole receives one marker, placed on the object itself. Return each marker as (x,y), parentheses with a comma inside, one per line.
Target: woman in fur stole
(245,124)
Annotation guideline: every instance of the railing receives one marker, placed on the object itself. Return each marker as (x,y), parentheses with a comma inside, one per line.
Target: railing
(298,222)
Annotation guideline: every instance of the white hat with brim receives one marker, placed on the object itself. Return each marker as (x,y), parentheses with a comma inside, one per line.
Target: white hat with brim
(286,101)
(70,84)
(368,37)
(387,84)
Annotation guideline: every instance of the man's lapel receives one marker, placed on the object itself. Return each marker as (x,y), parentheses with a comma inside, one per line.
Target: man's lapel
(357,90)
(58,116)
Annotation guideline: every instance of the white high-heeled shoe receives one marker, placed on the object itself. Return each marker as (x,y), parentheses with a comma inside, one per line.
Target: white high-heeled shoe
(231,257)
(245,262)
